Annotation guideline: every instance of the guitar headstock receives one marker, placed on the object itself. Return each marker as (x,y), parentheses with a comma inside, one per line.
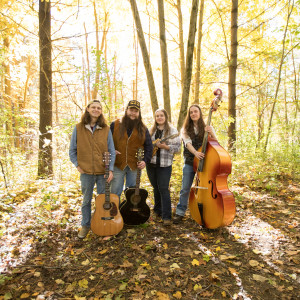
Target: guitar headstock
(215,103)
(140,154)
(106,158)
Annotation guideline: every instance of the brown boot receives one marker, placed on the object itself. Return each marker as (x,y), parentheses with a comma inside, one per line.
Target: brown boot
(83,232)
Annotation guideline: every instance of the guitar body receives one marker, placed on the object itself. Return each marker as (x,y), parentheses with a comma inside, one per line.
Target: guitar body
(134,209)
(107,219)
(211,203)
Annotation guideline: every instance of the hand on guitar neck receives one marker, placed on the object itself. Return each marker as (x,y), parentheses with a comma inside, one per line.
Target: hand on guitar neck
(159,143)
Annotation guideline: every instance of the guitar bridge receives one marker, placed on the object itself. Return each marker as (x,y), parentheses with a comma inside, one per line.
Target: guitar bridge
(107,218)
(135,209)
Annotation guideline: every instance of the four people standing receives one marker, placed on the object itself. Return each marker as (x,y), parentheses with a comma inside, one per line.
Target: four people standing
(92,136)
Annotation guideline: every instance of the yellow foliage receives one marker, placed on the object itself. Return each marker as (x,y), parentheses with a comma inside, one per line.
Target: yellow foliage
(177,295)
(83,283)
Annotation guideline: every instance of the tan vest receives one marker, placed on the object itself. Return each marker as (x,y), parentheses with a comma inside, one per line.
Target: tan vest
(127,146)
(90,148)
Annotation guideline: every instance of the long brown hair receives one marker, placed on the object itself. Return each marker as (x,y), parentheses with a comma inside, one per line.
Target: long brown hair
(126,122)
(86,118)
(188,124)
(167,125)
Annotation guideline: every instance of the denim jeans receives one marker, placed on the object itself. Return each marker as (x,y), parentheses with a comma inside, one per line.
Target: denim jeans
(187,181)
(87,187)
(118,181)
(160,178)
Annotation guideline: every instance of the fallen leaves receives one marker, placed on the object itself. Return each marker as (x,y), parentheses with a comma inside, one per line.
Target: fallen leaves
(260,278)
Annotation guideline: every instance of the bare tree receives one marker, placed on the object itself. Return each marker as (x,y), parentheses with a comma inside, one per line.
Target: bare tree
(189,63)
(198,62)
(45,168)
(164,57)
(290,9)
(147,65)
(232,77)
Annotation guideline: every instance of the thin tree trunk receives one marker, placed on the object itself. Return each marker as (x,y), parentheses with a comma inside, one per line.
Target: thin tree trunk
(148,68)
(290,9)
(181,44)
(87,65)
(189,63)
(97,72)
(108,82)
(232,77)
(7,92)
(45,168)
(115,85)
(296,92)
(259,118)
(83,80)
(164,57)
(198,63)
(136,55)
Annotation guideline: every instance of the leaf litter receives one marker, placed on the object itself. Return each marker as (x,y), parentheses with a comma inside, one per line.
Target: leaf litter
(257,257)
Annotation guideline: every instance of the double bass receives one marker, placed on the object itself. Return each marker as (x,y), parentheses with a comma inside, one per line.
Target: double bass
(211,203)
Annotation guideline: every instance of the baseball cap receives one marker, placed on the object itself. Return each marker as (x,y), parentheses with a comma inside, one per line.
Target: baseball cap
(133,104)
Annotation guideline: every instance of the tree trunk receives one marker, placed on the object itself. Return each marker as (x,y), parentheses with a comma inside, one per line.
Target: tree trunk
(150,79)
(99,49)
(7,92)
(181,44)
(45,168)
(87,65)
(198,63)
(189,63)
(108,81)
(290,9)
(232,77)
(164,57)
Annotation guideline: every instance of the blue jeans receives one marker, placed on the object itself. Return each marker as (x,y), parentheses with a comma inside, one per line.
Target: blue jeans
(118,181)
(87,187)
(160,178)
(187,181)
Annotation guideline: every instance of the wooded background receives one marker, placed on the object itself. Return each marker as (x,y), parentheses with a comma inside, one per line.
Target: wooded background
(56,56)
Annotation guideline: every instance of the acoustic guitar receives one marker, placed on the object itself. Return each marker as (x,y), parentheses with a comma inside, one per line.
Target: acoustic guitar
(155,148)
(107,219)
(134,209)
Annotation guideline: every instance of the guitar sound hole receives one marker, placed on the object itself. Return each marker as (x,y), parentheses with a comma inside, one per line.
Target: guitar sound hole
(135,199)
(114,210)
(107,206)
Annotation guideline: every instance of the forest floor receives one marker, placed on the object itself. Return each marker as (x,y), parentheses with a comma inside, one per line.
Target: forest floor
(256,257)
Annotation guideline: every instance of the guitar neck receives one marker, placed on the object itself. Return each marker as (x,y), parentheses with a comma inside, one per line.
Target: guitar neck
(168,137)
(107,185)
(137,184)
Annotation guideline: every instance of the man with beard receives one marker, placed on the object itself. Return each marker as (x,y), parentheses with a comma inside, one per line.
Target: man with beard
(129,134)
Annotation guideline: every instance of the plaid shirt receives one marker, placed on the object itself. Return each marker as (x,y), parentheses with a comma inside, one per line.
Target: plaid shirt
(166,156)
